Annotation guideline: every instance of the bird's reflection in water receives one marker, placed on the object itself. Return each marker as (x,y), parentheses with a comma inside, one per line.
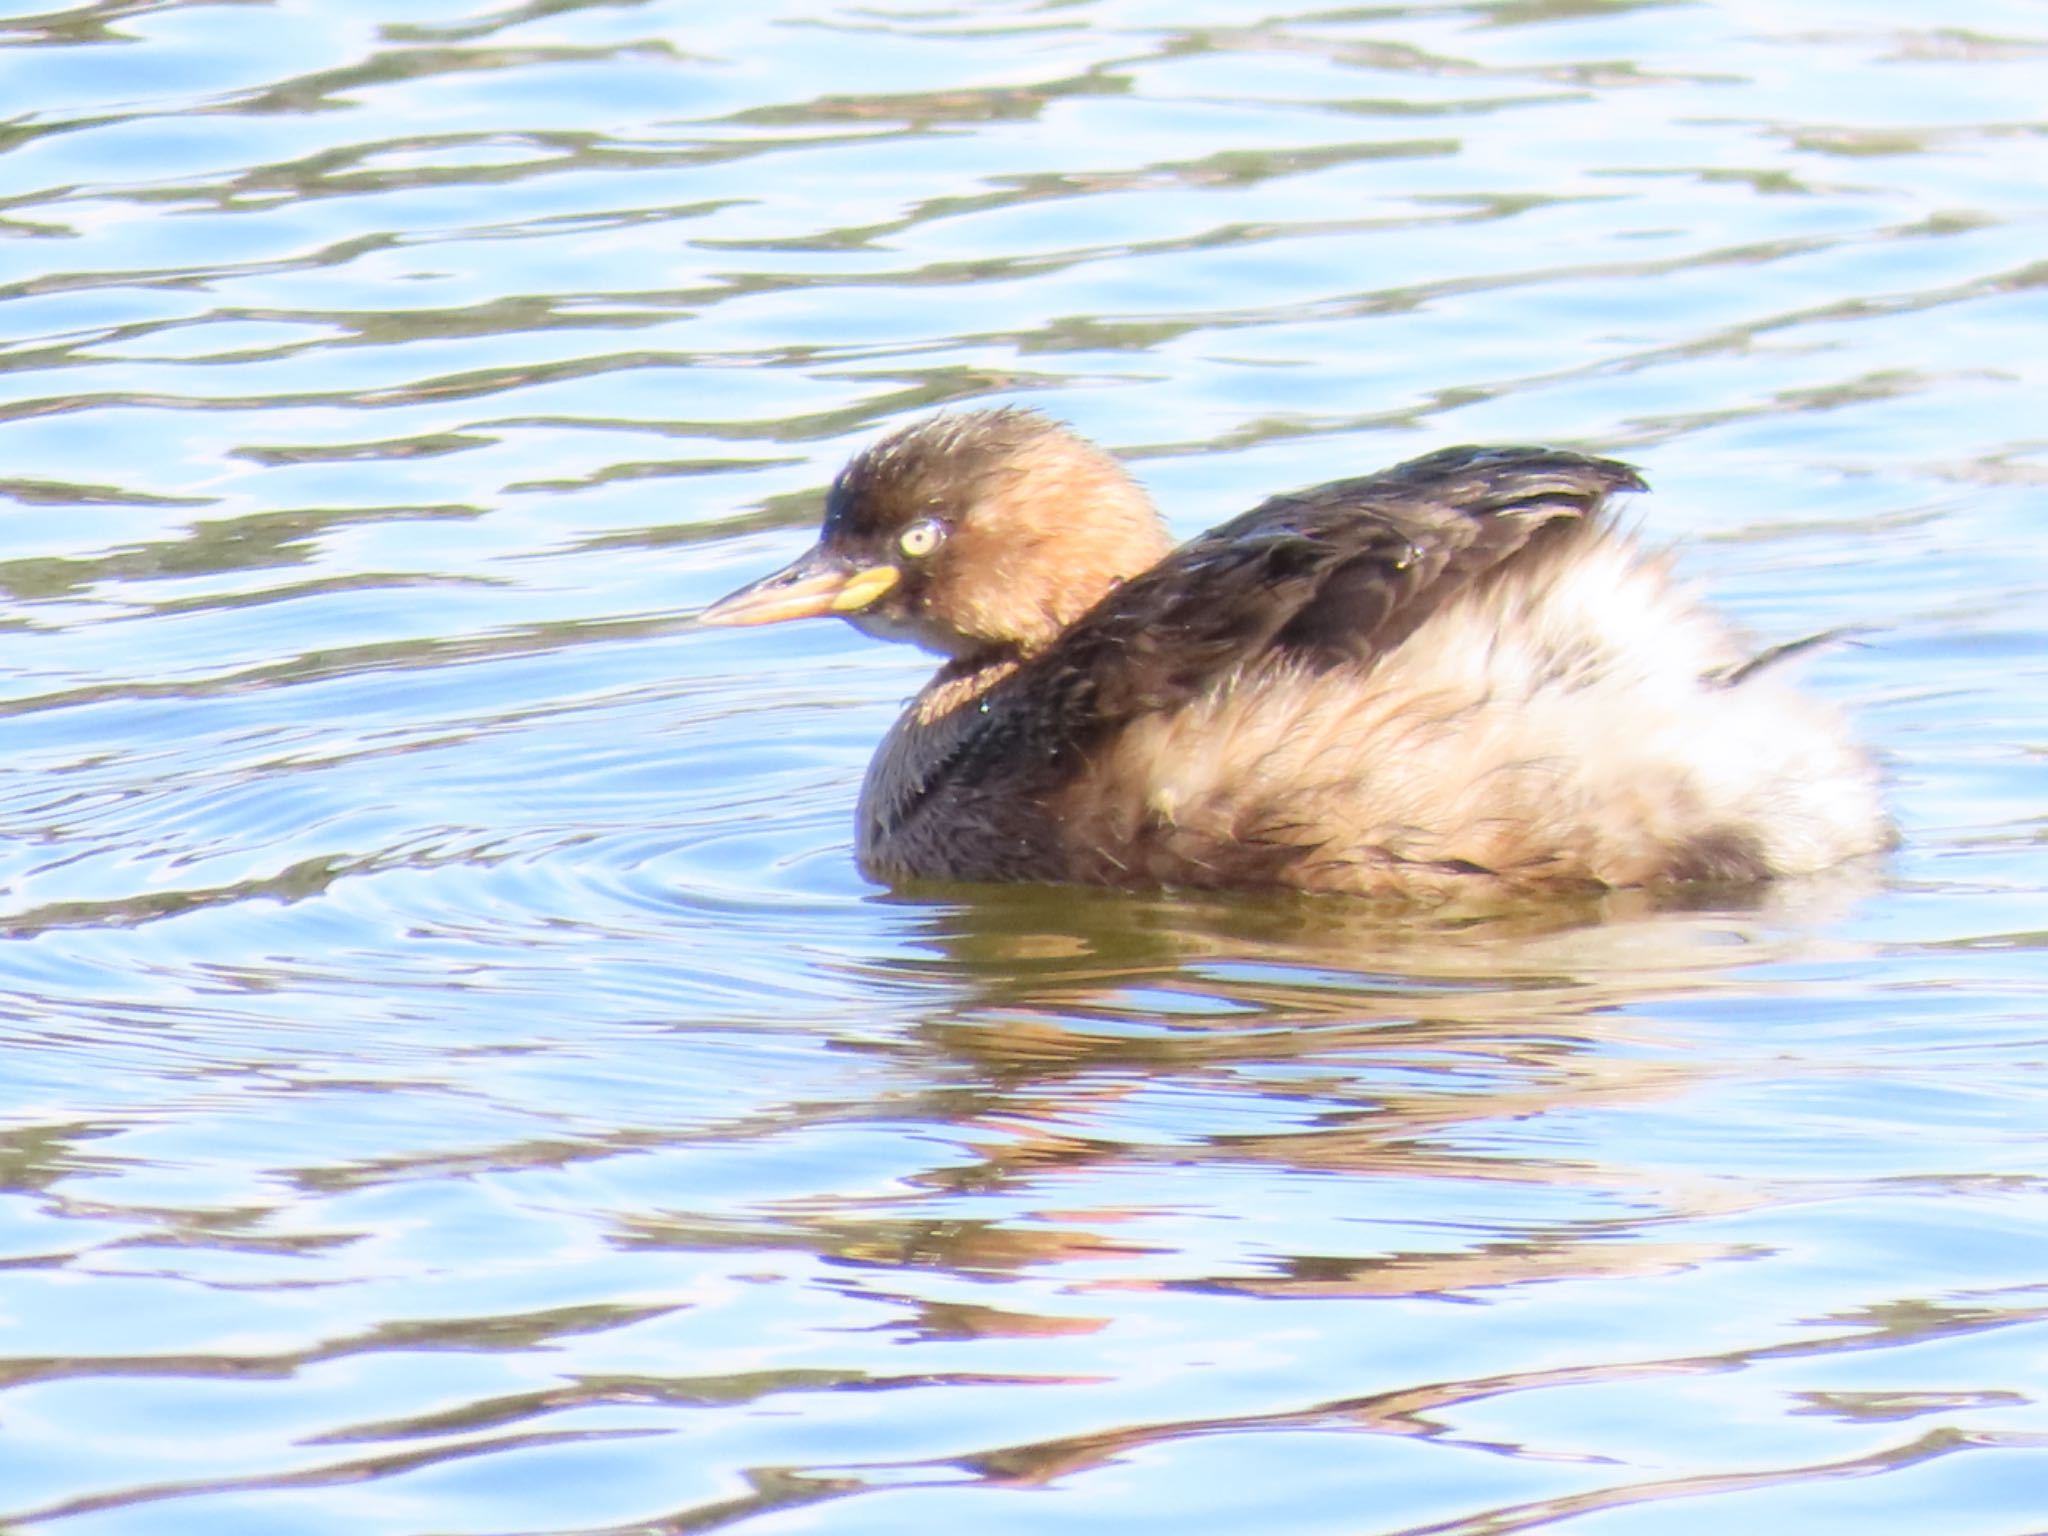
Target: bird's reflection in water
(1085,1039)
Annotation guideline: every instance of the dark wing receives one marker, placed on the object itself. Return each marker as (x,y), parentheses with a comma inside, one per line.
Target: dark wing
(1342,573)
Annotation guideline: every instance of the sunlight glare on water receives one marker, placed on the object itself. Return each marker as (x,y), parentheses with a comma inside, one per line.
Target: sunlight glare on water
(455,1079)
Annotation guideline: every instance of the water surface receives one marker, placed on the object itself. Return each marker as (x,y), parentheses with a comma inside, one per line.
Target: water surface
(455,1080)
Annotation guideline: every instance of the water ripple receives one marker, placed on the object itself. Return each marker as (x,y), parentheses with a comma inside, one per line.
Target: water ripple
(456,1078)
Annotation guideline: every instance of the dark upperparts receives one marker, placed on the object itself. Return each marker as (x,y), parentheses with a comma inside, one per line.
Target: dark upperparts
(991,534)
(1552,713)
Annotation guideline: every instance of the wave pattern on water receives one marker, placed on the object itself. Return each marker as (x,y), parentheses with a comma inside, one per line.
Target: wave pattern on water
(455,1078)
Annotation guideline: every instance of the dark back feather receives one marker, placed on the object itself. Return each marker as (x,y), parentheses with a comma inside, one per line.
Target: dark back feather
(1340,574)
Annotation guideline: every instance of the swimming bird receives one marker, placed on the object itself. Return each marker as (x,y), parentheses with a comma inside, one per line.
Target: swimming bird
(1454,678)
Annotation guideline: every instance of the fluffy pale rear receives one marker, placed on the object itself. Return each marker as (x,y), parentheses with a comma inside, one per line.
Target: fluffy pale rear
(1563,727)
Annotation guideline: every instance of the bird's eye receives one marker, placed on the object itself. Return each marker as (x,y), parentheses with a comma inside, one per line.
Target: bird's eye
(921,537)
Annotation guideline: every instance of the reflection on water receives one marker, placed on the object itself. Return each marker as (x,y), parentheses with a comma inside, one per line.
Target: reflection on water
(455,1079)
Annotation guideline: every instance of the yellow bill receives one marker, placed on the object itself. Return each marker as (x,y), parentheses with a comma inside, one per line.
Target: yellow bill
(818,582)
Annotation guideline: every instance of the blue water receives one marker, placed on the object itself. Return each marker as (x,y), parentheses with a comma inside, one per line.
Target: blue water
(455,1081)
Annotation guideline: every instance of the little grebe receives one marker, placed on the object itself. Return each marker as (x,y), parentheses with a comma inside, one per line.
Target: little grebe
(1453,678)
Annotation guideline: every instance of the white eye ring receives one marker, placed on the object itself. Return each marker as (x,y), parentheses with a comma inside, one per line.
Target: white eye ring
(921,537)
